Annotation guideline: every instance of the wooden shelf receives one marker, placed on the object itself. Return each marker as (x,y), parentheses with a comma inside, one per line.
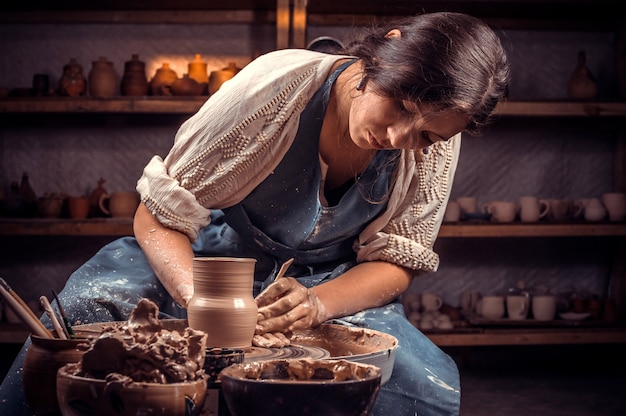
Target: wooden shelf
(123,227)
(189,105)
(66,227)
(544,336)
(113,105)
(532,230)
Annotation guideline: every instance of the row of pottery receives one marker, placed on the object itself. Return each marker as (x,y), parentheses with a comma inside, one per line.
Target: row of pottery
(101,80)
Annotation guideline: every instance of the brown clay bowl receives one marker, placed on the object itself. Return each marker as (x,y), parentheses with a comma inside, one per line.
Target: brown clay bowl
(300,387)
(82,396)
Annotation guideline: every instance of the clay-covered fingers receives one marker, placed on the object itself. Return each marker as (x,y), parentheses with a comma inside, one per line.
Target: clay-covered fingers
(277,290)
(282,322)
(271,340)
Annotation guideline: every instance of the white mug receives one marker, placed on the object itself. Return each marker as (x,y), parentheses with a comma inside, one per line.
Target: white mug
(453,212)
(431,302)
(491,307)
(615,203)
(468,204)
(532,209)
(501,211)
(544,307)
(517,306)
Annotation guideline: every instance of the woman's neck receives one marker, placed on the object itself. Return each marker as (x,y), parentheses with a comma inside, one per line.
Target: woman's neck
(344,158)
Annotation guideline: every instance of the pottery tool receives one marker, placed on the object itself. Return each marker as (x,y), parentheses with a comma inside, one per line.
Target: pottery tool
(283,269)
(53,317)
(68,326)
(22,310)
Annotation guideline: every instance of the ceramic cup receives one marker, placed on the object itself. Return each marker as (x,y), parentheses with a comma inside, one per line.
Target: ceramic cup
(594,210)
(615,203)
(469,300)
(78,207)
(431,302)
(544,307)
(412,302)
(119,204)
(562,210)
(453,212)
(468,204)
(517,306)
(491,307)
(532,209)
(501,211)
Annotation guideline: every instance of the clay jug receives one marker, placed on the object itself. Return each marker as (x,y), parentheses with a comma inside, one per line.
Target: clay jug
(163,78)
(72,82)
(28,196)
(582,84)
(119,204)
(198,72)
(185,86)
(94,200)
(41,362)
(101,78)
(219,77)
(222,304)
(134,81)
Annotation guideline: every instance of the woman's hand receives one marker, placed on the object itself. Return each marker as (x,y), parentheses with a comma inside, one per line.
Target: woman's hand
(286,305)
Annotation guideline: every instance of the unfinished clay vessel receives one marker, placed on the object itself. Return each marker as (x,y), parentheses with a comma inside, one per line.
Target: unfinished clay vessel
(222,304)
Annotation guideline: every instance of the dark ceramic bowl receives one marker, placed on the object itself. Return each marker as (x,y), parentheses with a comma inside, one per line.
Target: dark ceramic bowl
(300,387)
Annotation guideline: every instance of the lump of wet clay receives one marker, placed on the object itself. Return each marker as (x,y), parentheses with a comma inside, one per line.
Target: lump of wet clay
(143,351)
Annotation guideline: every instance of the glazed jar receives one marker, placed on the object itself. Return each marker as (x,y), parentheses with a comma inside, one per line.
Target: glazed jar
(582,84)
(94,200)
(222,304)
(134,81)
(101,78)
(163,78)
(72,82)
(197,71)
(219,77)
(41,362)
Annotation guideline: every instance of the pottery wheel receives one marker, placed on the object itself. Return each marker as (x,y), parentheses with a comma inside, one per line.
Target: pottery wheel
(291,351)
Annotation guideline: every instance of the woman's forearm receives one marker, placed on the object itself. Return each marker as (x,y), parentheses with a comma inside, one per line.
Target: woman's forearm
(367,285)
(169,253)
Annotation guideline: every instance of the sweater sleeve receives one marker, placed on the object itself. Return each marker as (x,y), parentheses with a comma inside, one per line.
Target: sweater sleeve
(234,141)
(406,234)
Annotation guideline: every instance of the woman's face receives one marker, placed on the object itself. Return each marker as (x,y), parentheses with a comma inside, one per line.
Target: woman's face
(378,122)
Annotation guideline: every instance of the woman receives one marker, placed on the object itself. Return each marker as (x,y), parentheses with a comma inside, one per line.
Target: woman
(342,162)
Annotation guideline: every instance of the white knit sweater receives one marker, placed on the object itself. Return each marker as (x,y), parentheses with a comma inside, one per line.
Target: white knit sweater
(243,131)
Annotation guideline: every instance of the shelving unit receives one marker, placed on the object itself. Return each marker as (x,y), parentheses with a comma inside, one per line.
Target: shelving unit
(518,14)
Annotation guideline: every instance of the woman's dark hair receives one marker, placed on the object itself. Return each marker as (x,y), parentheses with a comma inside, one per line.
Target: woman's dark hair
(451,61)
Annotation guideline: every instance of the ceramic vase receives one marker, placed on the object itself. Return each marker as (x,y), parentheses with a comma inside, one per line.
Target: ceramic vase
(41,362)
(219,77)
(162,79)
(72,82)
(101,78)
(197,71)
(222,304)
(582,84)
(134,82)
